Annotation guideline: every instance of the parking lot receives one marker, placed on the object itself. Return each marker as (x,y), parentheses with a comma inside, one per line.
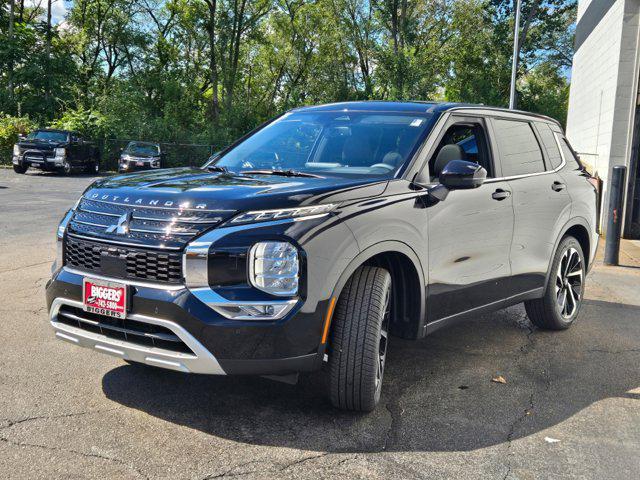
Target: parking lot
(570,407)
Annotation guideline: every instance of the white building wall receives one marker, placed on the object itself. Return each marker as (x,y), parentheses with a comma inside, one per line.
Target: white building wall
(604,82)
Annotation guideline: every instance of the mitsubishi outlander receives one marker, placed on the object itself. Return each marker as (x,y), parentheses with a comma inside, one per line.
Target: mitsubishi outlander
(322,234)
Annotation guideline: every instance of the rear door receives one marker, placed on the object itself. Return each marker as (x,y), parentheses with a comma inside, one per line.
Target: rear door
(541,204)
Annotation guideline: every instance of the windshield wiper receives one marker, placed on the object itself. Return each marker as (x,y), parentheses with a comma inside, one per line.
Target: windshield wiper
(217,168)
(282,173)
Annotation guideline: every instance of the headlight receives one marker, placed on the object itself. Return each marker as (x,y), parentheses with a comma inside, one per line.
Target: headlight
(60,152)
(264,215)
(125,158)
(155,162)
(273,268)
(16,151)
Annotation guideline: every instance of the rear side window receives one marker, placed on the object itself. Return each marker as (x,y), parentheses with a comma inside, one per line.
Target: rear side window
(550,145)
(520,152)
(570,157)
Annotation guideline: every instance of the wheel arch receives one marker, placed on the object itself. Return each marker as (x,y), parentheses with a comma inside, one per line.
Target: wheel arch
(406,271)
(579,228)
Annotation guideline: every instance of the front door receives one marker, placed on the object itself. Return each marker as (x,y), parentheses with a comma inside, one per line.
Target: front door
(470,231)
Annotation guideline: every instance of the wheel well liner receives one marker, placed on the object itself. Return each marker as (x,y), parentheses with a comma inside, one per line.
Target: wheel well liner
(582,235)
(408,301)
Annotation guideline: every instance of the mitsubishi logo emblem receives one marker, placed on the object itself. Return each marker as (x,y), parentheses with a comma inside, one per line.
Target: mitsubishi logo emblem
(122,227)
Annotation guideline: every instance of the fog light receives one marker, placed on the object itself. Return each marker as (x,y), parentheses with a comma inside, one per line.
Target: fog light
(273,268)
(254,310)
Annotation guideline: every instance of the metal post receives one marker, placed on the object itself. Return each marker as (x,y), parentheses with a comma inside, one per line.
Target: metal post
(514,63)
(614,217)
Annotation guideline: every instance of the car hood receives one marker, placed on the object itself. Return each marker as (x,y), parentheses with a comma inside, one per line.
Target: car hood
(40,144)
(204,190)
(140,155)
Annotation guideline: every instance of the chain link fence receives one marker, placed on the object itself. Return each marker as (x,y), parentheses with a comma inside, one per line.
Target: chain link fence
(176,154)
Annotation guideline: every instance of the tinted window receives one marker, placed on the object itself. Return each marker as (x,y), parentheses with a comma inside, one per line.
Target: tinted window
(471,140)
(49,136)
(550,145)
(519,149)
(332,143)
(569,156)
(142,149)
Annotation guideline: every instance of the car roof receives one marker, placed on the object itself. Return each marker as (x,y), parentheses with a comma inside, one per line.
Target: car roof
(414,106)
(155,144)
(57,130)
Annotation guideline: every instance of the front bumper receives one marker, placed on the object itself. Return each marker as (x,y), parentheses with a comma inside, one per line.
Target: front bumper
(199,361)
(217,344)
(138,165)
(41,162)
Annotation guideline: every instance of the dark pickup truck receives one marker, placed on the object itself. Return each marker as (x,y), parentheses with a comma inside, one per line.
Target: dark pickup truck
(55,150)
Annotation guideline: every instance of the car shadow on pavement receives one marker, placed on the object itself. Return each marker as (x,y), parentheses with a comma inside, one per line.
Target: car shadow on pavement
(438,394)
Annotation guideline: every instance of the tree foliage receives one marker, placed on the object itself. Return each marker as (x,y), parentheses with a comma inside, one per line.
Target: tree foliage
(208,70)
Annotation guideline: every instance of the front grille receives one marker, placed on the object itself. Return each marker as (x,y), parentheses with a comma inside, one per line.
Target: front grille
(123,262)
(37,155)
(145,226)
(132,331)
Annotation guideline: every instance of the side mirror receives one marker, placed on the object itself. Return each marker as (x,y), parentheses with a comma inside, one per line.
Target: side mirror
(460,174)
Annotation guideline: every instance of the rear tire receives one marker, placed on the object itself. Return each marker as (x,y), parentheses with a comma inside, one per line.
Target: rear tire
(359,340)
(560,305)
(20,169)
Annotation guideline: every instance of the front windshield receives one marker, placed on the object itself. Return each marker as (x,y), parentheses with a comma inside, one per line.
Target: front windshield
(47,136)
(142,149)
(333,143)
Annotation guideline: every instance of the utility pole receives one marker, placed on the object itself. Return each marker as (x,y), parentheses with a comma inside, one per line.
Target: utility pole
(516,51)
(11,22)
(47,87)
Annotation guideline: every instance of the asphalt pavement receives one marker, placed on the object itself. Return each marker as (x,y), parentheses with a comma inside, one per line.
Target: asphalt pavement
(570,407)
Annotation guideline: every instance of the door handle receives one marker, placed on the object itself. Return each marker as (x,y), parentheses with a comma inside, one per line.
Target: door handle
(558,186)
(501,194)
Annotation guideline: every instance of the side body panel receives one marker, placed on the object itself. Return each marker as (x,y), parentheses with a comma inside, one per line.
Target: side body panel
(540,214)
(584,197)
(469,242)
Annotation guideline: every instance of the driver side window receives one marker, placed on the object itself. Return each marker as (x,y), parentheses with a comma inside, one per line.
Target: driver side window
(461,141)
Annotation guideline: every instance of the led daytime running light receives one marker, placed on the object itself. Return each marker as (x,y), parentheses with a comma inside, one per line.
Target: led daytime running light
(284,213)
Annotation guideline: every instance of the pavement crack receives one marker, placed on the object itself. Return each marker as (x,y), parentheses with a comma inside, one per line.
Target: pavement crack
(22,267)
(614,352)
(302,460)
(233,471)
(75,452)
(10,423)
(525,350)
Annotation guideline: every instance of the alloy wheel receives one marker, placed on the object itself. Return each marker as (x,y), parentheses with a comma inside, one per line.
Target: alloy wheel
(569,282)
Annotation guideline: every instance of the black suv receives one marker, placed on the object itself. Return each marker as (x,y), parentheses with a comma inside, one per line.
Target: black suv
(55,150)
(140,156)
(316,236)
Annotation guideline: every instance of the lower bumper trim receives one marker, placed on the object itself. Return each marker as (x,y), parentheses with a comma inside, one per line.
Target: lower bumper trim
(201,361)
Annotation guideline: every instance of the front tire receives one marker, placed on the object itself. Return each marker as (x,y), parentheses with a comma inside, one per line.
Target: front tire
(359,340)
(66,168)
(20,169)
(560,305)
